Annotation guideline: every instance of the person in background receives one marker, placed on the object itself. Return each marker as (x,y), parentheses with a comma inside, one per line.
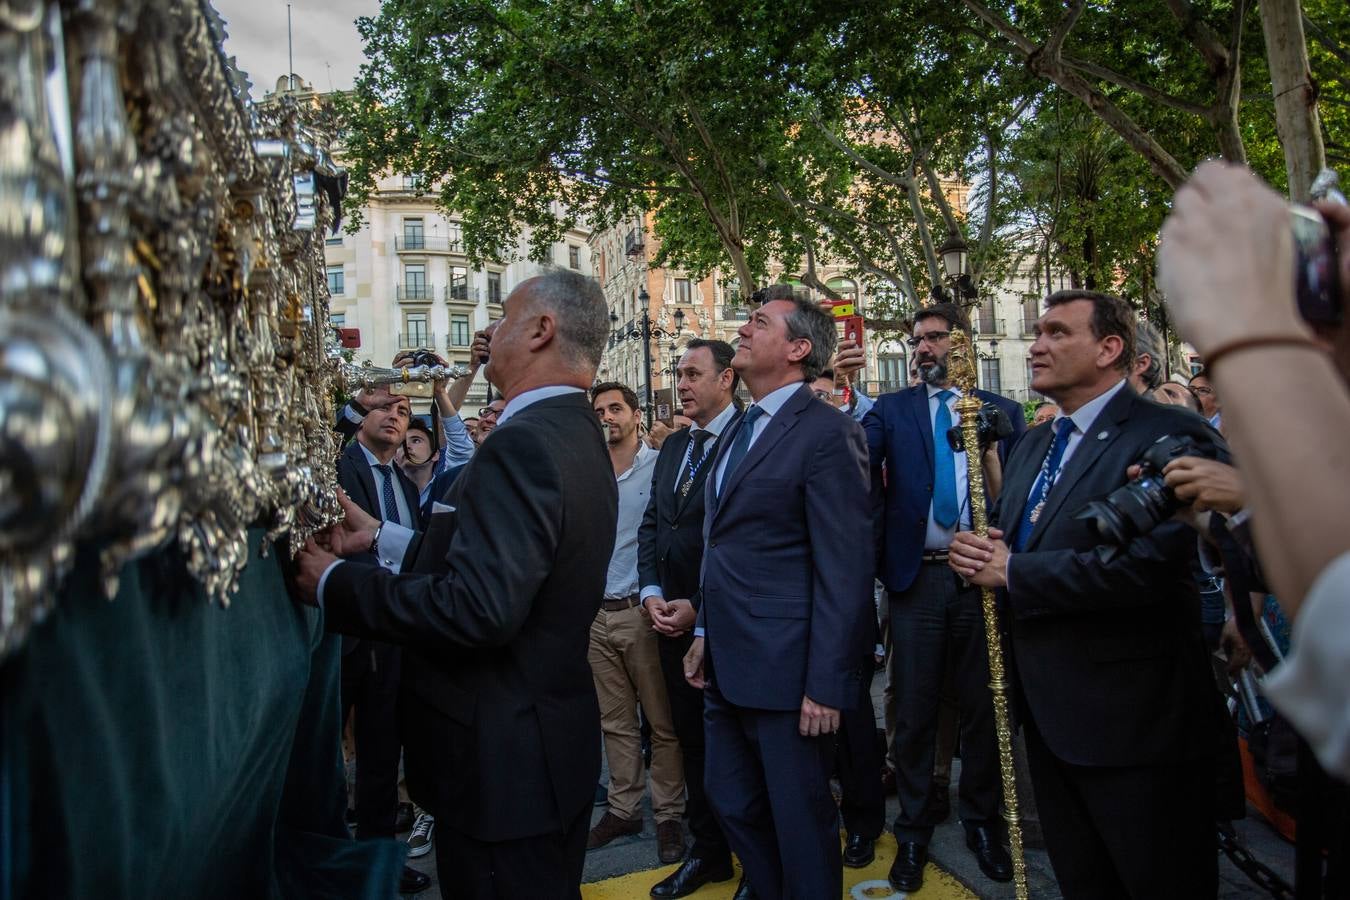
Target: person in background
(1177,395)
(1046,410)
(1203,389)
(1149,354)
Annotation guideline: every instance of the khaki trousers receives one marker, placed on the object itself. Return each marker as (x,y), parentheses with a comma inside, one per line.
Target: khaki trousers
(627,669)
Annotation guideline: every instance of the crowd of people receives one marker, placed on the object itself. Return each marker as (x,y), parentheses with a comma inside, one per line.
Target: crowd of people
(710,602)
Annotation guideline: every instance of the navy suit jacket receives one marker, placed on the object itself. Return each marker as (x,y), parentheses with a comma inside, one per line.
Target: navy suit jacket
(900,436)
(786,601)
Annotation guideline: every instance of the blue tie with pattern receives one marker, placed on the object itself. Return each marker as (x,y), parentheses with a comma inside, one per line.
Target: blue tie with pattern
(946,507)
(390,501)
(1044,482)
(739,446)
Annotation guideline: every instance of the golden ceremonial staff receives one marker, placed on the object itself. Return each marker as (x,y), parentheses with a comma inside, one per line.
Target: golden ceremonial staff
(961,368)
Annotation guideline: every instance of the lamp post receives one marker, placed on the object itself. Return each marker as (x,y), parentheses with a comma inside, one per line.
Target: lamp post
(954,253)
(643,330)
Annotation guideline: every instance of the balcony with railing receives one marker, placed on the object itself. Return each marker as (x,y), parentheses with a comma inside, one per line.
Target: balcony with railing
(460,293)
(1028,326)
(735,313)
(987,325)
(415,293)
(412,243)
(416,340)
(459,342)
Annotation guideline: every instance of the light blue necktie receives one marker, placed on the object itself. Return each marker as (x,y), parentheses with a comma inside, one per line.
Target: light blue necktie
(390,501)
(1044,482)
(739,446)
(946,508)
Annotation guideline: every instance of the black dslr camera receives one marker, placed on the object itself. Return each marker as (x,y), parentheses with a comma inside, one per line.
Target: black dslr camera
(1137,507)
(991,424)
(426,358)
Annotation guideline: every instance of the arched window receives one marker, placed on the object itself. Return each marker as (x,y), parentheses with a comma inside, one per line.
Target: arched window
(844,287)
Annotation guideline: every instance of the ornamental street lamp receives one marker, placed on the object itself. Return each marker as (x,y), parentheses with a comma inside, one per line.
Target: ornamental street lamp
(641,329)
(954,255)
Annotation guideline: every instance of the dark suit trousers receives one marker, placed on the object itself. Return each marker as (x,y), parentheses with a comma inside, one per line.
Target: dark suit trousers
(1128,832)
(547,866)
(862,803)
(686,713)
(370,677)
(933,621)
(770,789)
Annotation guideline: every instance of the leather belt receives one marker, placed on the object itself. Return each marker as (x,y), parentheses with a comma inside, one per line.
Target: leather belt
(935,556)
(619,604)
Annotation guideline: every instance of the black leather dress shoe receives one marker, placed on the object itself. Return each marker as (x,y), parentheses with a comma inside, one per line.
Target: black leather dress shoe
(984,842)
(907,871)
(412,881)
(691,876)
(744,891)
(859,851)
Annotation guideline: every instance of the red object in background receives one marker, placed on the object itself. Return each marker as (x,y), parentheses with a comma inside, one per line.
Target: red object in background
(350,338)
(853,329)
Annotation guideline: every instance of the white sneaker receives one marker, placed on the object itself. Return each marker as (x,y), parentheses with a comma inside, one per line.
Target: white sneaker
(419,842)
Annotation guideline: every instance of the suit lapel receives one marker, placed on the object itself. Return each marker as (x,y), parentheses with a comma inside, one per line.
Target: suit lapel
(357,458)
(923,424)
(709,465)
(780,423)
(1021,478)
(1101,435)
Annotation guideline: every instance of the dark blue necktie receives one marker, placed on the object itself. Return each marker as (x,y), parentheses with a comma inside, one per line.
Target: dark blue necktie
(946,507)
(390,501)
(1044,482)
(739,446)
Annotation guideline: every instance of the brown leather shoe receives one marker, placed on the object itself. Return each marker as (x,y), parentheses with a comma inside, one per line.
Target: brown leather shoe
(610,827)
(670,841)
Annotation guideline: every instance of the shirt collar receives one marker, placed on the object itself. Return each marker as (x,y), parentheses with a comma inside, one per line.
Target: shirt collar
(772,402)
(1085,415)
(371,459)
(718,423)
(534,395)
(933,391)
(644,455)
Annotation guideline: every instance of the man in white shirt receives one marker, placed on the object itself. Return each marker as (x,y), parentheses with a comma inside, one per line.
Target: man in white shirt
(623,652)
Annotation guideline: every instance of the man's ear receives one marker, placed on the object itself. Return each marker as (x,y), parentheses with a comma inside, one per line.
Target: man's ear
(542,332)
(725,377)
(1109,355)
(800,349)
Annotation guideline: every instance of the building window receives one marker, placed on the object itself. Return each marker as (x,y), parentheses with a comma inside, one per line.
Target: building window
(494,284)
(337,281)
(459,283)
(845,288)
(460,335)
(337,320)
(891,372)
(682,290)
(990,377)
(415,330)
(413,235)
(414,181)
(1031,311)
(333,240)
(986,323)
(415,281)
(574,256)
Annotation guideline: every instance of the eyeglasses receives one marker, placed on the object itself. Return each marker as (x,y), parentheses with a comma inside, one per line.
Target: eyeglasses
(931,337)
(488,412)
(1203,391)
(824,395)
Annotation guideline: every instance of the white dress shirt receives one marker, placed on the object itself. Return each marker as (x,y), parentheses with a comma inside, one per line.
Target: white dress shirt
(715,427)
(520,401)
(394,538)
(635,488)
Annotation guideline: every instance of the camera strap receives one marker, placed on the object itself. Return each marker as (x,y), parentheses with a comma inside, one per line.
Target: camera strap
(1237,570)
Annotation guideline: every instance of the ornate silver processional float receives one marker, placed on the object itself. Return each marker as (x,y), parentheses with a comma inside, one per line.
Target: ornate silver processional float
(166,360)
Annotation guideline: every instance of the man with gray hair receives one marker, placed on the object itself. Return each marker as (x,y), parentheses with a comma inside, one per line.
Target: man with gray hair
(785,614)
(493,605)
(1146,373)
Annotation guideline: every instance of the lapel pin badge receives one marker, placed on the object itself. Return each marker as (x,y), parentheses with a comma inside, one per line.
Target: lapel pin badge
(1101,435)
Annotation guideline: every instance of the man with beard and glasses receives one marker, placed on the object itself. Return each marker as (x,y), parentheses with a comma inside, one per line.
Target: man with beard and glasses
(935,619)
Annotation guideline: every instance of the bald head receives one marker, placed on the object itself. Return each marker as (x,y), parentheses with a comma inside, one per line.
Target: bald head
(554,332)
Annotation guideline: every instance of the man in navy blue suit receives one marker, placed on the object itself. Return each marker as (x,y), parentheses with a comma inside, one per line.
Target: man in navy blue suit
(935,619)
(786,606)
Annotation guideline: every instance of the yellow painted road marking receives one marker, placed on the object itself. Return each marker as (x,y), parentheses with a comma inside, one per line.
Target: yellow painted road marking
(859,884)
